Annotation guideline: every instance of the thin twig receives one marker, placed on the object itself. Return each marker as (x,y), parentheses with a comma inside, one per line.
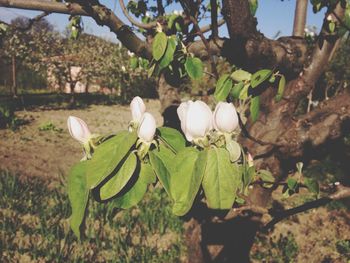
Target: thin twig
(204,40)
(133,21)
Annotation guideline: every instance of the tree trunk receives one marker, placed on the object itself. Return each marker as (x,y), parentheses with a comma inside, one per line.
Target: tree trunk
(72,98)
(300,18)
(14,77)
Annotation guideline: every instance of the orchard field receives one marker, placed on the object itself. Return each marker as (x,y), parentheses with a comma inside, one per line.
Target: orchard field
(197,131)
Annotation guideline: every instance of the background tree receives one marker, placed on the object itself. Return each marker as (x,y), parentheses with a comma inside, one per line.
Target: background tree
(274,134)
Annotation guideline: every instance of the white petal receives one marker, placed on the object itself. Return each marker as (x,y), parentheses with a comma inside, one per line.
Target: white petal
(138,108)
(182,113)
(198,120)
(78,129)
(147,127)
(225,117)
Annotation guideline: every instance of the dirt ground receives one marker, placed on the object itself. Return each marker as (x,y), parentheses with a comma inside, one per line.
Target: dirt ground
(49,154)
(30,151)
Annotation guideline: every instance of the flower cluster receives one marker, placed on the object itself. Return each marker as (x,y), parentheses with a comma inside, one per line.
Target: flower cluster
(199,124)
(204,128)
(143,121)
(197,119)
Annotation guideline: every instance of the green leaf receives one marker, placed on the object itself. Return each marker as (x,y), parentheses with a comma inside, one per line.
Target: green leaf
(119,179)
(255,108)
(173,138)
(234,150)
(244,92)
(135,194)
(292,183)
(331,26)
(236,90)
(223,87)
(162,161)
(259,77)
(107,156)
(78,194)
(281,85)
(194,68)
(187,178)
(169,53)
(150,70)
(159,45)
(240,201)
(221,179)
(171,20)
(253,5)
(312,185)
(266,176)
(248,176)
(347,16)
(134,62)
(240,75)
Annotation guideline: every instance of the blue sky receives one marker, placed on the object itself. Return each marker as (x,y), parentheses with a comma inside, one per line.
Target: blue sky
(272,15)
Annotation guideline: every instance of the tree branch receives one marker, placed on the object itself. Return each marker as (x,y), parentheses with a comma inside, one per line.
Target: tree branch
(323,123)
(319,60)
(239,20)
(101,14)
(288,54)
(133,21)
(300,18)
(214,19)
(341,192)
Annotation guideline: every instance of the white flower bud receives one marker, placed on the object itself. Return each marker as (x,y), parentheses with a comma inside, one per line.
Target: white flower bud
(138,108)
(225,118)
(131,54)
(78,129)
(250,160)
(329,18)
(123,68)
(147,127)
(196,119)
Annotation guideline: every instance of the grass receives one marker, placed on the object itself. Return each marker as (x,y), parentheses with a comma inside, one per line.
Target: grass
(284,249)
(34,226)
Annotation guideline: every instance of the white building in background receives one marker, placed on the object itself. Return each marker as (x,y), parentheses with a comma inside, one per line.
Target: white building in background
(80,85)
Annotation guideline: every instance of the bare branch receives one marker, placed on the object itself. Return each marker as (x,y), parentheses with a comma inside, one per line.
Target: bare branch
(322,51)
(214,19)
(207,28)
(341,192)
(160,8)
(134,21)
(300,18)
(48,6)
(101,14)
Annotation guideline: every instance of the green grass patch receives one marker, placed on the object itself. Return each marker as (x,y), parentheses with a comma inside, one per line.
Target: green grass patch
(34,226)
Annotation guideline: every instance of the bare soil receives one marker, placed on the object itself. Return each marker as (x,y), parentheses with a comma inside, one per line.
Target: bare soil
(49,154)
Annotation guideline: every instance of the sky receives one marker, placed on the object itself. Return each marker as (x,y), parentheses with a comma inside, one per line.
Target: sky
(272,15)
